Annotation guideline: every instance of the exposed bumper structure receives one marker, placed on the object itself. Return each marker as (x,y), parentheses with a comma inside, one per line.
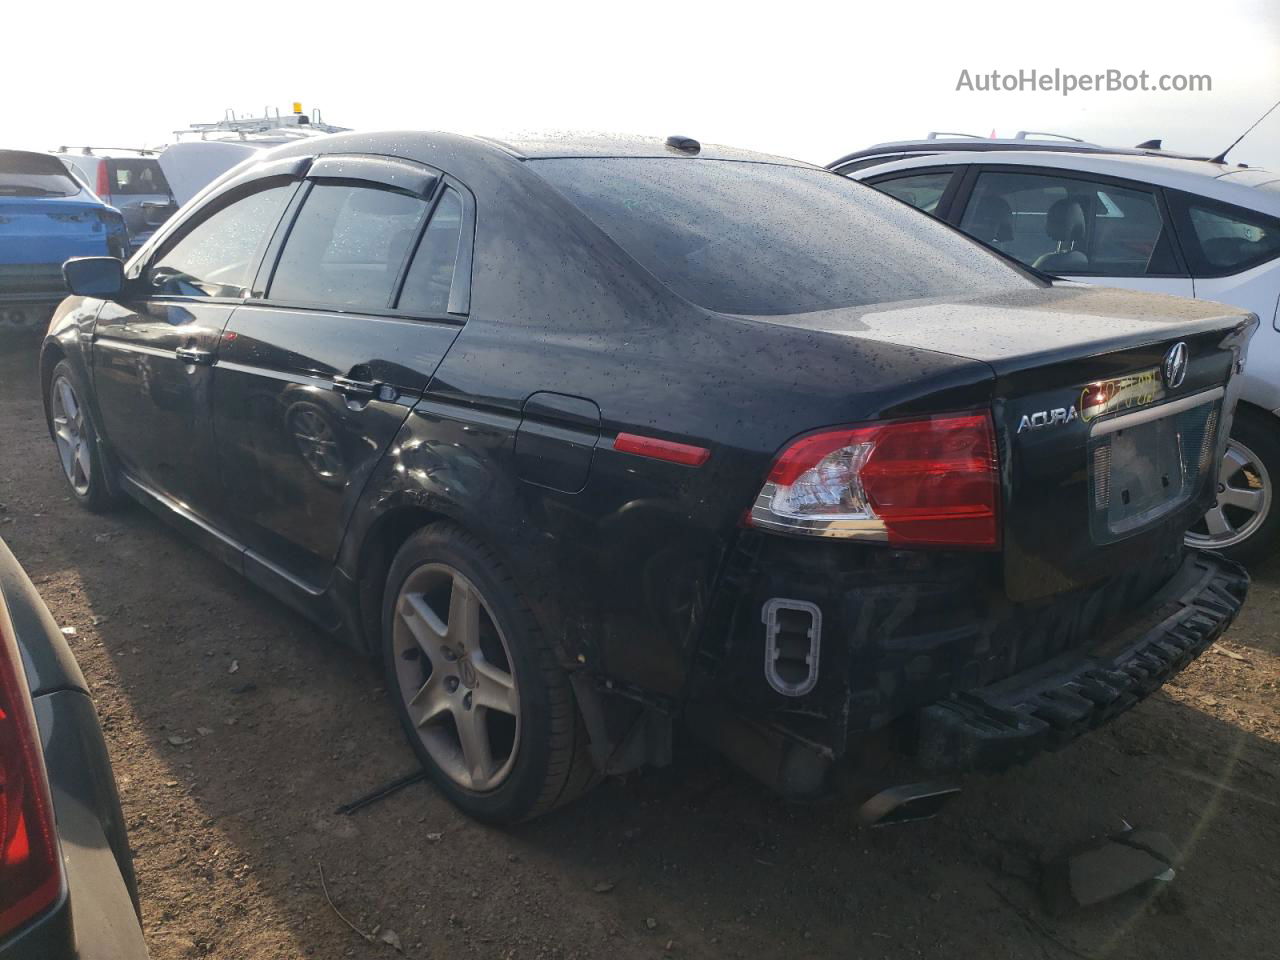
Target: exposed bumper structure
(994,727)
(31,283)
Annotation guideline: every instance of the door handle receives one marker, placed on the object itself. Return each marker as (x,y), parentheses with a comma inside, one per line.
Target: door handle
(354,388)
(364,389)
(194,355)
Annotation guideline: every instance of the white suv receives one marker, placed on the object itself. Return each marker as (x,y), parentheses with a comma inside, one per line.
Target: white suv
(1130,218)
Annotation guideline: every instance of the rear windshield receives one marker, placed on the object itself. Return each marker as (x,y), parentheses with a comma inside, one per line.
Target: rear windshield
(137,175)
(25,174)
(767,239)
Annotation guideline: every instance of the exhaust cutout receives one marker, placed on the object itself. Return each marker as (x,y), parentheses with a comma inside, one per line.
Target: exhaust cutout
(792,642)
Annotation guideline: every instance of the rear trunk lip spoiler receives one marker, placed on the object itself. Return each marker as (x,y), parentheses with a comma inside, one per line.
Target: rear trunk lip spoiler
(1139,417)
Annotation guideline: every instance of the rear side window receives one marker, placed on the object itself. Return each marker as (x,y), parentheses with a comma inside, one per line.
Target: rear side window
(219,256)
(347,246)
(140,175)
(1222,239)
(771,239)
(1067,225)
(922,191)
(430,277)
(25,174)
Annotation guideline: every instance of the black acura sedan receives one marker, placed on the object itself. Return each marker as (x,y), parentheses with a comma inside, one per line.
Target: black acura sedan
(584,436)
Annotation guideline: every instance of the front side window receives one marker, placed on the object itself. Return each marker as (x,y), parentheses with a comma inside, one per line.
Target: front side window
(347,246)
(922,190)
(773,239)
(1226,239)
(219,256)
(1065,225)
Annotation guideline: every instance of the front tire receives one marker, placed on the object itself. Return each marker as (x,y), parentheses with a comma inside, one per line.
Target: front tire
(76,438)
(480,694)
(1245,522)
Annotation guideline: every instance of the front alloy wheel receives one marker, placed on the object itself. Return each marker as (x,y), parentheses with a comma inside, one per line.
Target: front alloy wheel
(70,435)
(76,438)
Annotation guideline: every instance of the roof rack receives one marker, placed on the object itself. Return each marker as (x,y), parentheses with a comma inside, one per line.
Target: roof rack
(1046,135)
(939,141)
(232,127)
(88,151)
(1020,135)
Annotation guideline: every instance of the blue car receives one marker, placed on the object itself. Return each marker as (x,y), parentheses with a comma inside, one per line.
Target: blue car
(47,217)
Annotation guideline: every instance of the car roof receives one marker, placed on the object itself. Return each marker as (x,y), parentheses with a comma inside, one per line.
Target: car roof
(573,144)
(8,152)
(1251,187)
(440,149)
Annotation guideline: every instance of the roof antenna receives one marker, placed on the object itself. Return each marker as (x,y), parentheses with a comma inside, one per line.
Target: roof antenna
(1222,157)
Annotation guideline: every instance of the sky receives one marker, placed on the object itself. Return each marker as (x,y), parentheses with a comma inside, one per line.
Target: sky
(811,80)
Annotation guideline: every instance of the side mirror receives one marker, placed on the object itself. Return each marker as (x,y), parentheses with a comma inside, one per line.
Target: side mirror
(94,276)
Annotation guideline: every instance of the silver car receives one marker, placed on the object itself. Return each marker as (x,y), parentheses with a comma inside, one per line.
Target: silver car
(129,180)
(1139,218)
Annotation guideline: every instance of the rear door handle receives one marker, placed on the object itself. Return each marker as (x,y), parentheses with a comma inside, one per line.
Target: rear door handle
(194,355)
(354,388)
(364,389)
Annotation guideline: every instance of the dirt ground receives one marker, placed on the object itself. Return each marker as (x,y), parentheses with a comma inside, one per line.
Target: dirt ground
(236,730)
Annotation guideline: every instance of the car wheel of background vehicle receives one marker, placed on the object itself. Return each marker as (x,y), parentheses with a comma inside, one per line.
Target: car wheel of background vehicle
(1244,524)
(76,439)
(480,693)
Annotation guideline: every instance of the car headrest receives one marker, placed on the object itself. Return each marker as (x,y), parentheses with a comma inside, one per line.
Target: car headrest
(1065,221)
(993,220)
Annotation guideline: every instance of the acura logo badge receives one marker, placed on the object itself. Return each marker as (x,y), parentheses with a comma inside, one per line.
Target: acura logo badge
(1175,366)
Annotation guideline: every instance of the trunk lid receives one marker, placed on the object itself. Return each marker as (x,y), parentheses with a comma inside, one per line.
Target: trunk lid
(43,230)
(1106,458)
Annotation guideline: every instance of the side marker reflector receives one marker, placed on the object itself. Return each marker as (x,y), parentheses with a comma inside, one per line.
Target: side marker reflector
(682,453)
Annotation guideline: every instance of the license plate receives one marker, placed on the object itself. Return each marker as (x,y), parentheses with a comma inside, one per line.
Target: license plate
(1142,471)
(1147,471)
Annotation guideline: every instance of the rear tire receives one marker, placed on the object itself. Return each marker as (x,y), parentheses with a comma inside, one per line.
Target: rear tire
(76,440)
(1245,524)
(480,694)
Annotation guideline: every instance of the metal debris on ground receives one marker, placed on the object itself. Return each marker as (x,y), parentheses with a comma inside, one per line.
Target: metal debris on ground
(1106,868)
(381,792)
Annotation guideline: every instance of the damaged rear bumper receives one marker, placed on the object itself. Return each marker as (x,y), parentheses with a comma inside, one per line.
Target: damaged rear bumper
(994,727)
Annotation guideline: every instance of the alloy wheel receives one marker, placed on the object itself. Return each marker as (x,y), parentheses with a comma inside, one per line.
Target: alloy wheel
(456,678)
(70,433)
(1244,500)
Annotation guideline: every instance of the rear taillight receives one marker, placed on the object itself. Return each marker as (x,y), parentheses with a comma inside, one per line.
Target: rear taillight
(103,189)
(30,869)
(933,481)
